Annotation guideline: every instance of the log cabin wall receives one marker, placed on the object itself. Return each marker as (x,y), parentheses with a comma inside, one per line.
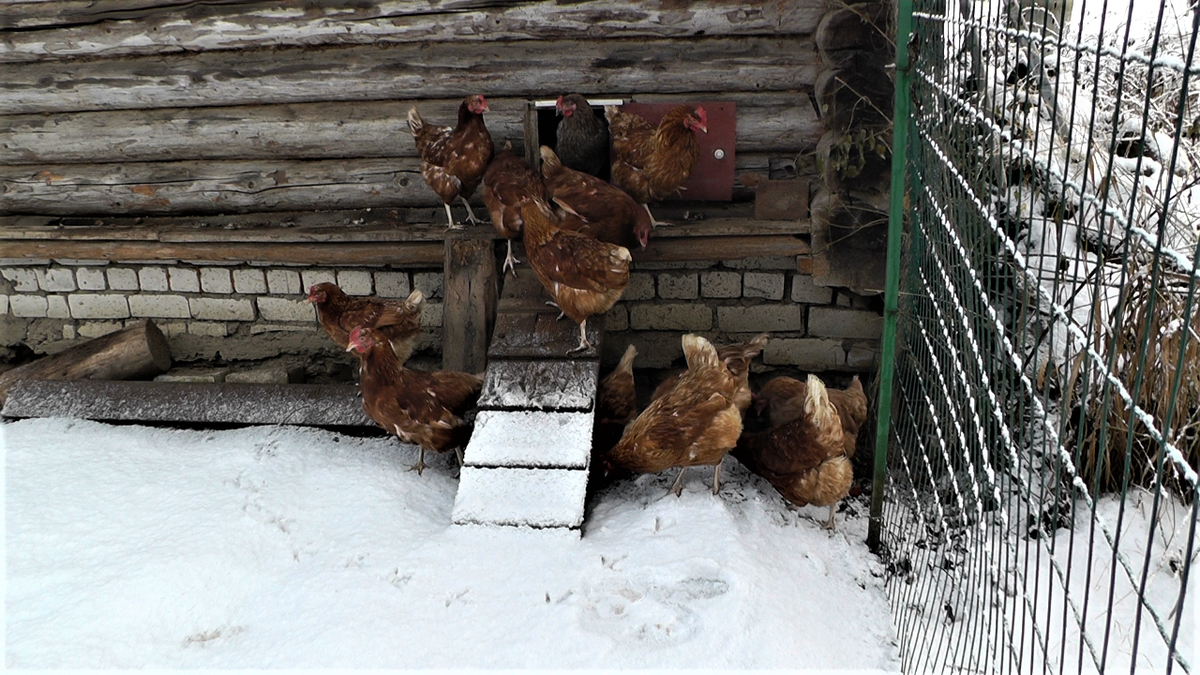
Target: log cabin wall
(201,162)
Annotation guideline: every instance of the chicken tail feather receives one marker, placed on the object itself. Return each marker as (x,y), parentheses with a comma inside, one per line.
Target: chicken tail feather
(699,352)
(626,364)
(817,405)
(415,123)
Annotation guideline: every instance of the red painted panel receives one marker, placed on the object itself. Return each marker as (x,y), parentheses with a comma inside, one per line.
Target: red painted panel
(712,179)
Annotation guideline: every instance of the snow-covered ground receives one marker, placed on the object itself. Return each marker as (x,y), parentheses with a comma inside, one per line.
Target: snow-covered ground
(269,547)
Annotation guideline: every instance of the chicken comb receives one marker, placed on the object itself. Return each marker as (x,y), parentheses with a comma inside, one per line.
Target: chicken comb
(702,115)
(356,334)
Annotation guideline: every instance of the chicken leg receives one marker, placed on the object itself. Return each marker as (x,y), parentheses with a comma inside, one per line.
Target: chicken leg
(470,213)
(716,479)
(583,341)
(509,261)
(451,225)
(420,465)
(677,488)
(829,525)
(654,222)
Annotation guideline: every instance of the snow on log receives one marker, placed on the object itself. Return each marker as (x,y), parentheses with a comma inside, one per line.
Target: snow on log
(544,385)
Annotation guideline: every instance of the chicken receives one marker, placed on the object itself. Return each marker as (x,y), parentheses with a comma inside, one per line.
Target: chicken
(783,399)
(453,159)
(737,358)
(398,320)
(805,459)
(616,404)
(650,162)
(582,138)
(592,206)
(424,408)
(696,423)
(583,275)
(506,182)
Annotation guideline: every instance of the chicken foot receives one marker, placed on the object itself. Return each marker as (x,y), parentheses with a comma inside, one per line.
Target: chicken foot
(583,341)
(654,222)
(470,213)
(677,487)
(716,479)
(561,313)
(510,262)
(420,465)
(450,219)
(829,525)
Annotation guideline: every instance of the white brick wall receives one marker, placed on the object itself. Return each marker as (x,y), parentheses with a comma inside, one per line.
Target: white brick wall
(253,282)
(311,277)
(354,282)
(152,279)
(23,279)
(678,286)
(159,306)
(207,328)
(768,285)
(286,309)
(184,280)
(721,284)
(28,306)
(3,304)
(429,283)
(392,284)
(845,323)
(284,282)
(222,309)
(122,279)
(216,280)
(56,307)
(807,353)
(98,306)
(760,318)
(805,290)
(616,319)
(90,279)
(94,329)
(641,287)
(690,316)
(56,279)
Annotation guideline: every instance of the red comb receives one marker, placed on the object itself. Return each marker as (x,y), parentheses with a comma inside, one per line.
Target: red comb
(702,115)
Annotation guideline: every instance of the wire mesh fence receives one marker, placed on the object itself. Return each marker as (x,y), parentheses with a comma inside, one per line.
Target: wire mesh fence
(1039,510)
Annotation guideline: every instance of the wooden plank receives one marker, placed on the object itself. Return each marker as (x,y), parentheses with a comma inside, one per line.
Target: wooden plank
(720,248)
(350,254)
(437,70)
(227,403)
(76,28)
(540,385)
(541,336)
(469,273)
(542,498)
(530,439)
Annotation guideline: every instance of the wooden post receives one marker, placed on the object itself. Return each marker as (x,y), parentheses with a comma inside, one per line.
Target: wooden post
(469,281)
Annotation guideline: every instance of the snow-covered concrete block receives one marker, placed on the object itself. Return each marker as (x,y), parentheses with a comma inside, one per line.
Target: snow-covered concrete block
(354,282)
(216,280)
(516,497)
(530,439)
(24,279)
(122,279)
(249,281)
(184,280)
(283,282)
(392,284)
(28,306)
(90,279)
(222,309)
(56,280)
(98,306)
(159,306)
(544,385)
(153,279)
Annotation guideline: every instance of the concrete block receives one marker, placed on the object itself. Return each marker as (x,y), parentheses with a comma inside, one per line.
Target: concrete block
(56,307)
(688,317)
(278,375)
(805,290)
(153,279)
(98,306)
(3,304)
(354,282)
(431,316)
(392,285)
(69,331)
(685,265)
(721,284)
(216,280)
(159,306)
(678,286)
(23,262)
(94,329)
(252,282)
(616,318)
(80,263)
(122,279)
(310,277)
(172,328)
(767,285)
(641,287)
(765,263)
(429,283)
(285,309)
(183,280)
(844,323)
(90,279)
(56,279)
(284,282)
(863,357)
(221,309)
(24,279)
(28,306)
(207,328)
(761,318)
(805,353)
(210,375)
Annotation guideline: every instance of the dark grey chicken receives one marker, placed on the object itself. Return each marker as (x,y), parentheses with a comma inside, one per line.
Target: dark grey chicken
(582,139)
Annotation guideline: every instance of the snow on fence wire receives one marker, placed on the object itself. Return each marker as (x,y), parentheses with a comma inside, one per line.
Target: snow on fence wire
(1039,510)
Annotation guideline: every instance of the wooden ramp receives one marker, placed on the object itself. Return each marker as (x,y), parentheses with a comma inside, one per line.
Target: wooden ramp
(527,462)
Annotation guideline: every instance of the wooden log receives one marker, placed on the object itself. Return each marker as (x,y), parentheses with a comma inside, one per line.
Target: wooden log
(139,350)
(865,27)
(437,70)
(859,95)
(850,240)
(720,248)
(415,254)
(470,292)
(770,122)
(858,160)
(212,403)
(122,27)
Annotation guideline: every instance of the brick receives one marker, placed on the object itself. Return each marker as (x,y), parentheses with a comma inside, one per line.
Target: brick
(805,290)
(69,331)
(216,280)
(767,285)
(310,277)
(862,356)
(56,279)
(431,316)
(392,284)
(285,309)
(429,283)
(721,284)
(94,329)
(641,287)
(616,318)
(760,318)
(172,328)
(3,304)
(56,307)
(81,263)
(24,279)
(98,306)
(249,281)
(804,353)
(354,282)
(676,286)
(159,306)
(284,282)
(28,306)
(692,316)
(184,280)
(207,328)
(122,279)
(153,279)
(767,263)
(90,279)
(221,309)
(844,323)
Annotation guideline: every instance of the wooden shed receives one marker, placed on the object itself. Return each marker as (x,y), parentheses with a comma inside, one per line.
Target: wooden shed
(200,163)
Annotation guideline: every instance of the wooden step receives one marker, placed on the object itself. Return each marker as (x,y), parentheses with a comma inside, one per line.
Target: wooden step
(530,439)
(521,497)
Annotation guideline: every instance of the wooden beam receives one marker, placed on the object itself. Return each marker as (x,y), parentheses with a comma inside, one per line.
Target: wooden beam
(73,28)
(470,292)
(720,248)
(351,254)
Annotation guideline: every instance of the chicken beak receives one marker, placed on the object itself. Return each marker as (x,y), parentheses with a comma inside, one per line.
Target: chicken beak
(351,347)
(704,128)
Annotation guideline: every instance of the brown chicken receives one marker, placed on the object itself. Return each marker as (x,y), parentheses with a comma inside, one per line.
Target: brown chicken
(581,138)
(805,459)
(651,162)
(583,275)
(594,207)
(398,320)
(696,423)
(506,182)
(453,159)
(427,409)
(616,404)
(783,399)
(737,358)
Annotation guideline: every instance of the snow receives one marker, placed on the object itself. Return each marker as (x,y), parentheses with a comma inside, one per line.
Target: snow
(277,547)
(530,438)
(534,497)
